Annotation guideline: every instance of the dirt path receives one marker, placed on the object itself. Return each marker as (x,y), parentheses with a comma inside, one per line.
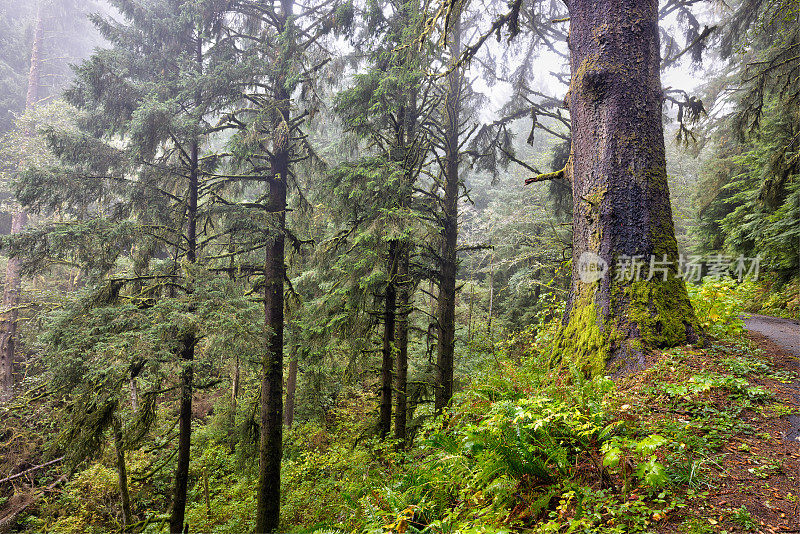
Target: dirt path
(785,334)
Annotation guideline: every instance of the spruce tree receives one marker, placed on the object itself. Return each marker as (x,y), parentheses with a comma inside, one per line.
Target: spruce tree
(281,46)
(151,184)
(451,186)
(620,195)
(388,107)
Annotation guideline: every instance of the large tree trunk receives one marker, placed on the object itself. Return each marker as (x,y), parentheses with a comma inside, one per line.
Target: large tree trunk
(620,194)
(403,311)
(449,260)
(387,351)
(13,281)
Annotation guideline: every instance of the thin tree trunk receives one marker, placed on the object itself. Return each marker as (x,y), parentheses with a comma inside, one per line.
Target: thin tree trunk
(235,385)
(271,438)
(34,76)
(387,351)
(13,281)
(176,522)
(621,201)
(122,473)
(234,405)
(491,294)
(403,311)
(471,297)
(291,387)
(449,260)
(134,394)
(270,447)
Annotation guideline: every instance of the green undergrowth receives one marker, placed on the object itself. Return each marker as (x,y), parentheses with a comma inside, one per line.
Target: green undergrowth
(718,305)
(772,296)
(524,447)
(721,302)
(527,448)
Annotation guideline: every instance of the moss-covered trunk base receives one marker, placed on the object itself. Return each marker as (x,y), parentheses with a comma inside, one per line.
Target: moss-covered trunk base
(622,335)
(626,297)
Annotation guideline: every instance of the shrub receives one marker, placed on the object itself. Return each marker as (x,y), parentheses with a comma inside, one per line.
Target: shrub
(718,305)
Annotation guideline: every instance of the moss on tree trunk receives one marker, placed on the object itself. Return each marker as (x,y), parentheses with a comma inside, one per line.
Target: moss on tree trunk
(621,206)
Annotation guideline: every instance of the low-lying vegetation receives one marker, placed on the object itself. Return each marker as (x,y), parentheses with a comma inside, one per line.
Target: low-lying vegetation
(525,447)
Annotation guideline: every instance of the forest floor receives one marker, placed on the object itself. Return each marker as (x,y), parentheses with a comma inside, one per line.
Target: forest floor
(726,415)
(753,484)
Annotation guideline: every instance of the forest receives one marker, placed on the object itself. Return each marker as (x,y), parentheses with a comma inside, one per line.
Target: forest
(400,266)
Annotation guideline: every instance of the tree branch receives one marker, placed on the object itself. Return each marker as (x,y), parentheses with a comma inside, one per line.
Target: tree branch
(546,176)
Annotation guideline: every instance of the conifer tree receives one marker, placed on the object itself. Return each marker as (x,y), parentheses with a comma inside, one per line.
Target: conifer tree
(160,108)
(748,197)
(58,36)
(388,106)
(449,220)
(280,45)
(620,195)
(19,218)
(625,319)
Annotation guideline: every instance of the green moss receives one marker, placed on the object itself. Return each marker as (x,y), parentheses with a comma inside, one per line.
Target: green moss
(586,340)
(592,69)
(595,196)
(590,64)
(594,199)
(644,315)
(662,234)
(659,309)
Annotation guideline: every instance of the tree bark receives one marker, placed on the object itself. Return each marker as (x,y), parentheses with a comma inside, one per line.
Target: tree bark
(235,383)
(449,261)
(491,294)
(291,388)
(387,351)
(134,394)
(13,282)
(270,446)
(176,521)
(271,437)
(122,473)
(620,195)
(234,405)
(403,311)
